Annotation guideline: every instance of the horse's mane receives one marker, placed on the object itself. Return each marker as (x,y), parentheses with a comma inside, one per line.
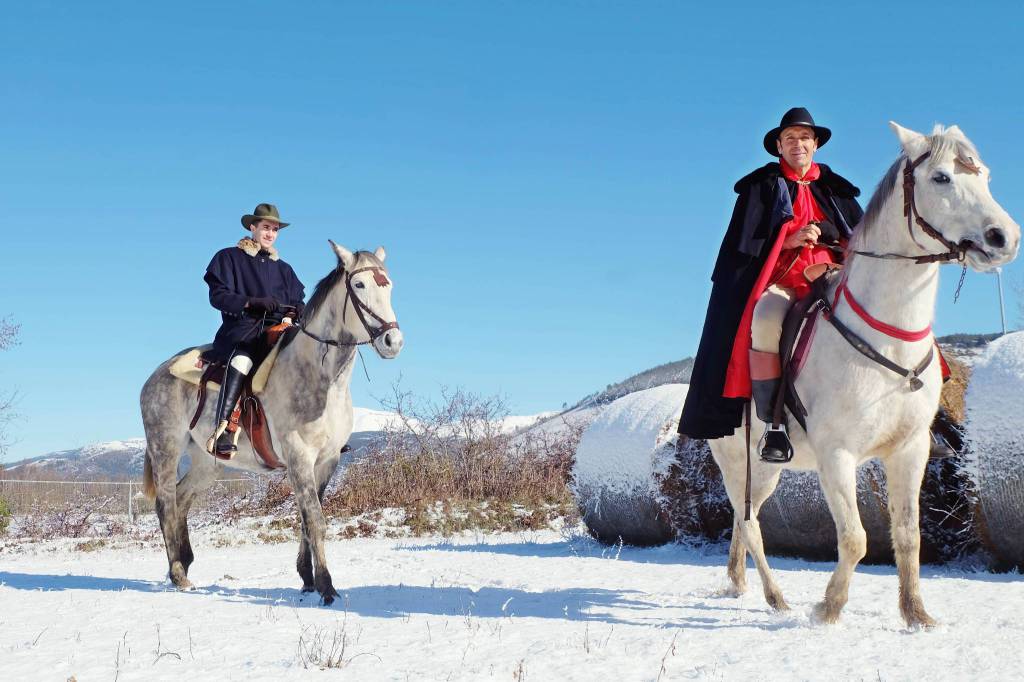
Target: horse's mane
(942,143)
(324,287)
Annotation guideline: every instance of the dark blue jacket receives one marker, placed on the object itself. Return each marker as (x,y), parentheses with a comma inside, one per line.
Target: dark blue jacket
(239,273)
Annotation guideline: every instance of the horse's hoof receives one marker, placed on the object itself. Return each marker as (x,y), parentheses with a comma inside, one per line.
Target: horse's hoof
(919,618)
(184,585)
(777,602)
(328,599)
(824,613)
(308,587)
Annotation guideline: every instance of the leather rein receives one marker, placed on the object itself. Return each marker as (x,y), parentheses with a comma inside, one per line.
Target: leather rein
(362,310)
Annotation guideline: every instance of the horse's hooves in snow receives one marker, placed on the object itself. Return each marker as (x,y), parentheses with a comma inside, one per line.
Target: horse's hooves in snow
(184,585)
(308,588)
(918,618)
(824,613)
(777,603)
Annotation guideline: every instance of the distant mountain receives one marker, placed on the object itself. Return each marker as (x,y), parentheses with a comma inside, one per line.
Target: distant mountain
(124,459)
(118,459)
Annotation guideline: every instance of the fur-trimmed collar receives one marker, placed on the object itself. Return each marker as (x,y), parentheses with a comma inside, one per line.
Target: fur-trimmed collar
(252,248)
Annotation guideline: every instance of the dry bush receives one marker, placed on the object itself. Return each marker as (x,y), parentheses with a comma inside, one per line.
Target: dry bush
(451,460)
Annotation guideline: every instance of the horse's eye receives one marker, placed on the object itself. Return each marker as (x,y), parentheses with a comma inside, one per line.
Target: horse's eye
(360,285)
(941,178)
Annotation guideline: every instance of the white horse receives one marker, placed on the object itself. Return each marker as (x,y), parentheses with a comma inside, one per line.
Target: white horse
(308,407)
(859,409)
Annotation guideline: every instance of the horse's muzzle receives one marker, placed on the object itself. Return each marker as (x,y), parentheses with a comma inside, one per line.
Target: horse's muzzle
(389,344)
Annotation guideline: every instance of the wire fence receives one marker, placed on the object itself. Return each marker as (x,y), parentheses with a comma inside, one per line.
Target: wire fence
(24,496)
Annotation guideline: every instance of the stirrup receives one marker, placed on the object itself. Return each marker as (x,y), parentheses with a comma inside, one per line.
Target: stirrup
(214,441)
(775,446)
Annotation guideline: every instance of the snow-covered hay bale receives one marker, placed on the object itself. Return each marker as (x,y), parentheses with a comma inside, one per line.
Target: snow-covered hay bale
(995,432)
(636,482)
(621,457)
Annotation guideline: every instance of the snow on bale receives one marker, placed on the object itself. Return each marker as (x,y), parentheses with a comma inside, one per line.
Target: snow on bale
(620,459)
(638,483)
(995,432)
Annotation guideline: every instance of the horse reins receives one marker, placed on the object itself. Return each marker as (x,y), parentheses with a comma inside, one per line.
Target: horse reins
(362,310)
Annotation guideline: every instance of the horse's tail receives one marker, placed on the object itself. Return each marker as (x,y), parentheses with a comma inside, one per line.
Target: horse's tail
(148,486)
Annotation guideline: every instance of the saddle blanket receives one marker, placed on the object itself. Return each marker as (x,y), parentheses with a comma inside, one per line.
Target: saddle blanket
(189,366)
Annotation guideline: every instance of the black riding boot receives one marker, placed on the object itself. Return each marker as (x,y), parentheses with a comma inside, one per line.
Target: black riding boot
(224,443)
(775,445)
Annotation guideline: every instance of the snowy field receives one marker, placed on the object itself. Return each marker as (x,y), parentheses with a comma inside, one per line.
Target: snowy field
(543,606)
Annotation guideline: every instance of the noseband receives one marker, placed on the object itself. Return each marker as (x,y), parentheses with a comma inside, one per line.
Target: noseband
(956,252)
(362,310)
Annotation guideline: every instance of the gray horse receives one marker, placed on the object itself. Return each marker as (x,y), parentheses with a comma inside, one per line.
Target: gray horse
(308,406)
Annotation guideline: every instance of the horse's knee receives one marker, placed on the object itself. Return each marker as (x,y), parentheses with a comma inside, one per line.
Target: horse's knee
(854,543)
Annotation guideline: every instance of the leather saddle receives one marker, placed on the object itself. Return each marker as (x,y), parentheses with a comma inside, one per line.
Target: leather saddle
(249,414)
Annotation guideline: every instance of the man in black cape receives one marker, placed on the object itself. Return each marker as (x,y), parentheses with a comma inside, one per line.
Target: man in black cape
(749,254)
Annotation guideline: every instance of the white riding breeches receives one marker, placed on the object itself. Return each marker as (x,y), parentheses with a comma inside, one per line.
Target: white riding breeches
(769,312)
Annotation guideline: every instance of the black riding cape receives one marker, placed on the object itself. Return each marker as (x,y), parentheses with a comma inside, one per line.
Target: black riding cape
(764,205)
(240,273)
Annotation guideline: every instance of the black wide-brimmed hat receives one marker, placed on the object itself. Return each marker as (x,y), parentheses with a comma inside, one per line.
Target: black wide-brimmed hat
(263,212)
(797,116)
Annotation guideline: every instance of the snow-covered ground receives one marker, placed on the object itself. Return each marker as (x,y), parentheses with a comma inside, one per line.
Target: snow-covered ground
(544,606)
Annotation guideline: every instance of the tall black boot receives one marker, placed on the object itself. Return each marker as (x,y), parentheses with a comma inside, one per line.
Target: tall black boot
(775,445)
(224,443)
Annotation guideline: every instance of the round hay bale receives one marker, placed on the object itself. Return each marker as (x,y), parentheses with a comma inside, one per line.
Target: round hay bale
(995,432)
(620,459)
(637,483)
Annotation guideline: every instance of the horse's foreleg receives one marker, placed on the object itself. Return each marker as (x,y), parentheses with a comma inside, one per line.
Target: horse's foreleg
(764,478)
(737,567)
(904,472)
(838,475)
(304,562)
(314,529)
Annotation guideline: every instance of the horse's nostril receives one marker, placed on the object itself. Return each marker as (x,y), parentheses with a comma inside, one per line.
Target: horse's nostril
(387,340)
(995,237)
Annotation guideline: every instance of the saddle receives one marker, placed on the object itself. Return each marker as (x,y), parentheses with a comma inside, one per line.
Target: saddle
(798,329)
(193,366)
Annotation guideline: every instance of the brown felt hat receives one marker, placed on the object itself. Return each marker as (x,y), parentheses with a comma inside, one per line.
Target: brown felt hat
(263,212)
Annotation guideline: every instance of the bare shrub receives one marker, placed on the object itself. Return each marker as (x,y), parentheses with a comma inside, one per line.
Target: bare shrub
(454,459)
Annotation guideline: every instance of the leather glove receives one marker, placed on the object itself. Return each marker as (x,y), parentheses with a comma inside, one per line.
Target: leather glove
(259,306)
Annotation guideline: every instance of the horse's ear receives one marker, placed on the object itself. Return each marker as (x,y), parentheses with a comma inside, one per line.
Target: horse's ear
(345,256)
(380,253)
(911,141)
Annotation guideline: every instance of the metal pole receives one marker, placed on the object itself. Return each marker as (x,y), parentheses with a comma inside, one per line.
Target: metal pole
(1002,308)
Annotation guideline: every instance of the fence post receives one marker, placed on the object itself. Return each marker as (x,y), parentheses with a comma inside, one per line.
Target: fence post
(130,518)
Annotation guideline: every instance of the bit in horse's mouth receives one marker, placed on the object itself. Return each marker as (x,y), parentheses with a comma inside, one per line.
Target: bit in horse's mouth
(971,246)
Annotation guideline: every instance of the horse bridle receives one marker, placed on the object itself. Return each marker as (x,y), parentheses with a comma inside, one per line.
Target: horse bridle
(362,310)
(956,252)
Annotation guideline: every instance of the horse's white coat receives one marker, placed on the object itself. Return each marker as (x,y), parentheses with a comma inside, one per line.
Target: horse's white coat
(858,409)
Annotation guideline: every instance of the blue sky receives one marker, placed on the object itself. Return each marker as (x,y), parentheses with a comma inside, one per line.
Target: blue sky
(551,179)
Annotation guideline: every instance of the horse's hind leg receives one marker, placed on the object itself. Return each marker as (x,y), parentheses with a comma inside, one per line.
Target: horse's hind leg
(904,472)
(838,475)
(164,455)
(195,482)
